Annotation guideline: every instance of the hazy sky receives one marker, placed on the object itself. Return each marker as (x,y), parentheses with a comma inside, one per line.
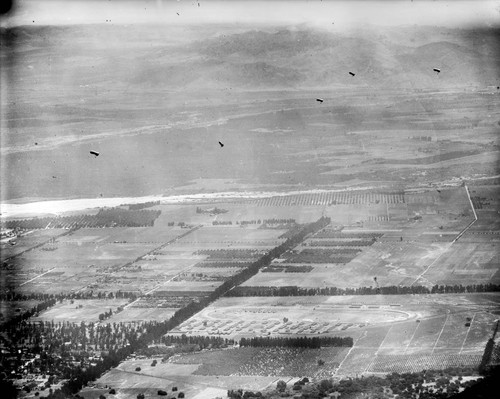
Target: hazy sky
(317,12)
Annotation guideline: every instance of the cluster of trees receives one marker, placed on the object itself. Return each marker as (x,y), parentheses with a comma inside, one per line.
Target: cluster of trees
(203,342)
(241,394)
(425,384)
(180,224)
(299,342)
(66,349)
(15,296)
(143,205)
(38,223)
(422,138)
(35,310)
(388,290)
(105,315)
(212,211)
(113,217)
(246,222)
(117,217)
(449,289)
(278,221)
(172,345)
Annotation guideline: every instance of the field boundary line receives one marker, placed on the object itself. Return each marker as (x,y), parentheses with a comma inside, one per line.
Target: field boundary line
(439,336)
(466,335)
(34,278)
(343,360)
(471,223)
(411,339)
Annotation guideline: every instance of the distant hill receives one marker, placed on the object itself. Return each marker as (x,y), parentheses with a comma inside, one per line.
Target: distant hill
(221,57)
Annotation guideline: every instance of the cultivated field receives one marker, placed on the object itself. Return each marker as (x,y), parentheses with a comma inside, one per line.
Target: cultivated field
(265,362)
(389,331)
(419,248)
(165,376)
(27,241)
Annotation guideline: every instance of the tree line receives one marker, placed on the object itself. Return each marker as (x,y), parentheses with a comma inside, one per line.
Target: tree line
(143,205)
(387,290)
(202,341)
(298,342)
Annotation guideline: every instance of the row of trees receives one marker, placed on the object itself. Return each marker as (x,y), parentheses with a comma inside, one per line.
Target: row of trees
(278,221)
(299,342)
(201,340)
(388,290)
(127,218)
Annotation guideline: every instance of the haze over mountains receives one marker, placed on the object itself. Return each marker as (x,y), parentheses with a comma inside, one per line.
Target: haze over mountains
(155,100)
(301,57)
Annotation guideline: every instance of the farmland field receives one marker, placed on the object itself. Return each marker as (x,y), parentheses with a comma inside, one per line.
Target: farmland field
(78,311)
(138,315)
(266,362)
(128,382)
(389,331)
(27,241)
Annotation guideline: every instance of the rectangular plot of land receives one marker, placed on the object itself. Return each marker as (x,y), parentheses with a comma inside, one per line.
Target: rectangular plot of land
(427,333)
(454,331)
(76,311)
(357,361)
(373,337)
(415,363)
(138,315)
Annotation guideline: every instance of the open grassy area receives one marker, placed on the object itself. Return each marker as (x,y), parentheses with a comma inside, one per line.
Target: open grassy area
(129,383)
(76,311)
